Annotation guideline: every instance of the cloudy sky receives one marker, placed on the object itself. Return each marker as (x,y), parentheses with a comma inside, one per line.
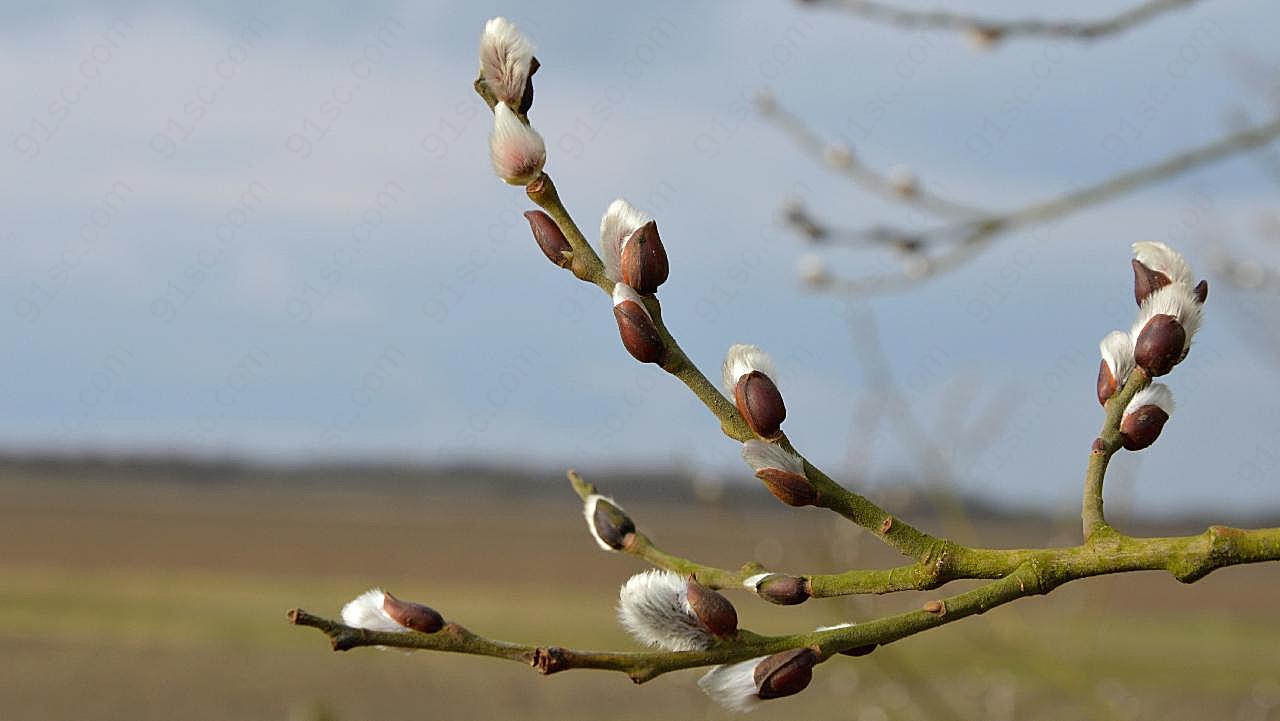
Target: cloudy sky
(274,232)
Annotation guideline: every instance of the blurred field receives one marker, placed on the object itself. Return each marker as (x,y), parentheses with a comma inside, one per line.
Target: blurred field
(157,601)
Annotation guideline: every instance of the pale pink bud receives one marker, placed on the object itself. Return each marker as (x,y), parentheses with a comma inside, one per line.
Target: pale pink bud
(515,149)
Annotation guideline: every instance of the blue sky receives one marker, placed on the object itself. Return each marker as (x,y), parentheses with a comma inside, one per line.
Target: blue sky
(274,232)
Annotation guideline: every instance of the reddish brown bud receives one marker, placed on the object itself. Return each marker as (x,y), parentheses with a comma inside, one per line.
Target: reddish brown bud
(639,334)
(1142,427)
(934,606)
(792,489)
(1146,281)
(783,590)
(712,609)
(1201,291)
(1160,345)
(644,260)
(549,238)
(760,404)
(1106,383)
(786,673)
(412,615)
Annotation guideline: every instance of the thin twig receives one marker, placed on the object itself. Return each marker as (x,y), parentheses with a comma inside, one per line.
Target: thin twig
(999,29)
(970,237)
(846,161)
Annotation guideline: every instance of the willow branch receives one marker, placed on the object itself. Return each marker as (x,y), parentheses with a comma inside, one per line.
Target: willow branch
(997,28)
(846,162)
(968,238)
(1188,559)
(586,265)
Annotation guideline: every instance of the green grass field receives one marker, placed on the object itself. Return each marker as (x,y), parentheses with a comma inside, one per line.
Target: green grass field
(165,602)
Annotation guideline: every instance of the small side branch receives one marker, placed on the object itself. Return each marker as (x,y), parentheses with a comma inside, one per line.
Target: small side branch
(1105,446)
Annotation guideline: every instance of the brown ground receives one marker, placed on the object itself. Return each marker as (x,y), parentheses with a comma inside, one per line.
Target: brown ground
(153,601)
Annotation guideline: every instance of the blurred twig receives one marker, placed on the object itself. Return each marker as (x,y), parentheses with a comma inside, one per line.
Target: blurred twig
(960,241)
(996,29)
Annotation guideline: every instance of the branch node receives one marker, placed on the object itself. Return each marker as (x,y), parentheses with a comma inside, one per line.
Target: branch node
(886,524)
(550,659)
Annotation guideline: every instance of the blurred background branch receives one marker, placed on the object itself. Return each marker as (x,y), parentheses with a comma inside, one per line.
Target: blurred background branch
(990,29)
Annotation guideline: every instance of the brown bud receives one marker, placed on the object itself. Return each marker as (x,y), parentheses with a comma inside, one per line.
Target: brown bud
(1160,344)
(1146,281)
(792,489)
(1142,427)
(712,609)
(639,334)
(934,606)
(612,524)
(549,237)
(412,615)
(786,673)
(1106,383)
(1201,291)
(861,650)
(644,260)
(783,590)
(760,404)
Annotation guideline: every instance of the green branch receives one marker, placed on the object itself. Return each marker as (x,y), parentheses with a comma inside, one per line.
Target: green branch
(1188,559)
(586,266)
(1104,447)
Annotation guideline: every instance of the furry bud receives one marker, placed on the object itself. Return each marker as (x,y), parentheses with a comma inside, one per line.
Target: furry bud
(1117,363)
(516,150)
(636,327)
(781,471)
(1167,321)
(1159,345)
(748,379)
(712,609)
(1156,265)
(549,238)
(742,686)
(620,222)
(778,588)
(507,63)
(760,404)
(660,608)
(1145,416)
(785,674)
(412,615)
(643,260)
(610,526)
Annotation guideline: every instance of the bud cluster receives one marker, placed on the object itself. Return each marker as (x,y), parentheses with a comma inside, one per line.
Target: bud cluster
(1170,309)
